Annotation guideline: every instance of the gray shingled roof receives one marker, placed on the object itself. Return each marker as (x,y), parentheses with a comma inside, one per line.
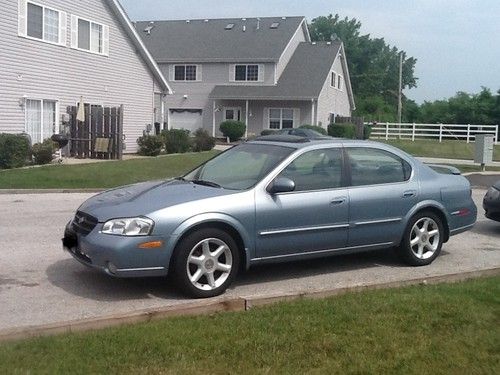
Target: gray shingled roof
(302,79)
(200,41)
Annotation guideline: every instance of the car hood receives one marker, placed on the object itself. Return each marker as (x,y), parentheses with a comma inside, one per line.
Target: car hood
(146,197)
(496,185)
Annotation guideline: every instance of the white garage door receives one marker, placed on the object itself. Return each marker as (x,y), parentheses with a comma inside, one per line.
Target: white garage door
(186,120)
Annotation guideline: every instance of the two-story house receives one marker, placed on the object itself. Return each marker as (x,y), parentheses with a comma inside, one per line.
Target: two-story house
(53,52)
(265,72)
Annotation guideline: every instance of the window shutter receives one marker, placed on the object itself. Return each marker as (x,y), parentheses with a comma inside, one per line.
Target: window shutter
(265,125)
(171,72)
(74,31)
(105,40)
(199,73)
(296,118)
(22,13)
(261,72)
(63,28)
(232,73)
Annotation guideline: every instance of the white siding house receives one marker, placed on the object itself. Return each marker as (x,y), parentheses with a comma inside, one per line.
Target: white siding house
(52,52)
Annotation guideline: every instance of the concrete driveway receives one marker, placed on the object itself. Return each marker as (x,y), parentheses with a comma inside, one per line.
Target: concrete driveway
(40,284)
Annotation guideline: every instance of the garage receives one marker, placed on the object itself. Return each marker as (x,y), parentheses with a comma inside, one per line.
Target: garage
(189,119)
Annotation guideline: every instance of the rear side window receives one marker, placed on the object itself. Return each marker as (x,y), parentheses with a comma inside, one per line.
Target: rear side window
(370,166)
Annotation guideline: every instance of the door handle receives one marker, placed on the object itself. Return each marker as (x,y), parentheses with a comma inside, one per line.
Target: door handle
(410,194)
(338,200)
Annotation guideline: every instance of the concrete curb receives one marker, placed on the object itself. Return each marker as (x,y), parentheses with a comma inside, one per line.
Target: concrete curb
(204,307)
(48,191)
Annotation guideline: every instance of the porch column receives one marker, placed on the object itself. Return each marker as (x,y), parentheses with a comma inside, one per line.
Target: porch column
(162,115)
(313,114)
(169,125)
(213,118)
(246,120)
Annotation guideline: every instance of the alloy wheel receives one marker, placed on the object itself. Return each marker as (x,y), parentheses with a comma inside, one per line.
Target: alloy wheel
(424,238)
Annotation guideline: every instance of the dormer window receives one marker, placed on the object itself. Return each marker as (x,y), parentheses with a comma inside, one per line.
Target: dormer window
(246,73)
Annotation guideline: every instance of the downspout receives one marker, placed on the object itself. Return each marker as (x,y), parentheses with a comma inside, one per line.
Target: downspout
(213,119)
(246,120)
(313,112)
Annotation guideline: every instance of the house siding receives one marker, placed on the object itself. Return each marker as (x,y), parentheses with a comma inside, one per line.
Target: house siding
(299,37)
(40,70)
(332,100)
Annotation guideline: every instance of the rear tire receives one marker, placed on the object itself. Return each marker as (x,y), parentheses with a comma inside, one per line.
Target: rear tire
(422,240)
(205,263)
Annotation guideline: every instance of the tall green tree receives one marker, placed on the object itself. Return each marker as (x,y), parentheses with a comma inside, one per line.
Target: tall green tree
(373,66)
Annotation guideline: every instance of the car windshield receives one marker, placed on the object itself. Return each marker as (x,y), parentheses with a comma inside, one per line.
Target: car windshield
(241,167)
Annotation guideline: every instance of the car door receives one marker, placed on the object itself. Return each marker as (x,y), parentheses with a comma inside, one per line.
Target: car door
(382,190)
(314,216)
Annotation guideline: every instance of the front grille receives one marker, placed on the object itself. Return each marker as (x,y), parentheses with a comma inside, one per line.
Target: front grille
(83,223)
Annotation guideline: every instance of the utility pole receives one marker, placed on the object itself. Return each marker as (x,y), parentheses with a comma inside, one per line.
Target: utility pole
(400,90)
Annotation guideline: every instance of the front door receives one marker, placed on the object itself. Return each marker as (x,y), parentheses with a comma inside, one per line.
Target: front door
(232,114)
(314,217)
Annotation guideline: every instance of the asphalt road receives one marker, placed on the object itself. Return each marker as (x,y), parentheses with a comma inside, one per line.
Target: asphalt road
(41,284)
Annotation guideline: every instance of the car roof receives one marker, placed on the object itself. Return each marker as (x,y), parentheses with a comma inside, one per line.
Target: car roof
(298,142)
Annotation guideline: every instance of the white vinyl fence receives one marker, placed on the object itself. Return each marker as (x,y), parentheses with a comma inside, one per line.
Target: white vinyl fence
(389,130)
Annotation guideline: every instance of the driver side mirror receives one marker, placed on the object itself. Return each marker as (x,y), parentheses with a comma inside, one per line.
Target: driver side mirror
(281,185)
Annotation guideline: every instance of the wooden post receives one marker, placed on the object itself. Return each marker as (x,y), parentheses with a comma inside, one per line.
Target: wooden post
(386,131)
(440,132)
(120,133)
(468,133)
(413,133)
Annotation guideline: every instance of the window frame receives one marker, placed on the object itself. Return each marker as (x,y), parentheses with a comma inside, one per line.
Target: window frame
(246,73)
(42,101)
(42,39)
(281,109)
(102,52)
(184,66)
(333,79)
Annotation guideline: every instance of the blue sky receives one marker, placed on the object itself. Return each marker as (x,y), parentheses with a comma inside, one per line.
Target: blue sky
(456,42)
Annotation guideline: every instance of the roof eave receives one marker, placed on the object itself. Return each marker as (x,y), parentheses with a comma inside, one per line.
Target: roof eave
(216,60)
(137,41)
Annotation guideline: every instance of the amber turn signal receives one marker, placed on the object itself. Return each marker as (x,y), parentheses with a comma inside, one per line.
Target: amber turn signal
(151,245)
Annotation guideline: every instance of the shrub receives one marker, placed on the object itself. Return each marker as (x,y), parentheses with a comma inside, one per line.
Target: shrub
(14,150)
(150,145)
(267,132)
(43,152)
(317,128)
(233,129)
(176,141)
(367,131)
(342,130)
(202,141)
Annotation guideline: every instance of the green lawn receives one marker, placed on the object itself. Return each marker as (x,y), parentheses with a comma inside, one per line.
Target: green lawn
(438,329)
(434,149)
(101,175)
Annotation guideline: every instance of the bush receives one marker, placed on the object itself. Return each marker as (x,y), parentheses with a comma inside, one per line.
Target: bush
(150,145)
(317,128)
(202,141)
(342,130)
(267,132)
(233,129)
(367,131)
(14,150)
(176,141)
(43,152)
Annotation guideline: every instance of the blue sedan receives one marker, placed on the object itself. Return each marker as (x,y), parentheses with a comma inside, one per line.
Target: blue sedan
(277,198)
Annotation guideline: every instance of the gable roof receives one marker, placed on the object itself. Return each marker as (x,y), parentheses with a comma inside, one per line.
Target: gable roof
(302,79)
(248,40)
(127,25)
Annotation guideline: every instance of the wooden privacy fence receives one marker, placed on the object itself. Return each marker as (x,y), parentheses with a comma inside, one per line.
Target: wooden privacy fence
(100,136)
(441,132)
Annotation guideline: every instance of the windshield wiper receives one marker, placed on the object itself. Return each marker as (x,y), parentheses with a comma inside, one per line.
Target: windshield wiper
(206,183)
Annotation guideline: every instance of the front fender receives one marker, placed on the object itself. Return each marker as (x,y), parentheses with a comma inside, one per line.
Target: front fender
(212,217)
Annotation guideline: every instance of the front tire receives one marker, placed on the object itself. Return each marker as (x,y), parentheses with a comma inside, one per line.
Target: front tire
(422,240)
(205,263)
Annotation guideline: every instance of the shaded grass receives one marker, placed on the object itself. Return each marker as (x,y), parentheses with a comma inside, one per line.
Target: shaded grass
(439,329)
(103,174)
(433,149)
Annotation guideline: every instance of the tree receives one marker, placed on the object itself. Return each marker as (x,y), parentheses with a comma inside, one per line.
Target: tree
(373,65)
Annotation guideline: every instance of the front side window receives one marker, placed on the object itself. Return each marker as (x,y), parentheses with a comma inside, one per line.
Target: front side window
(316,170)
(371,166)
(246,73)
(281,118)
(41,119)
(185,73)
(42,23)
(241,167)
(90,36)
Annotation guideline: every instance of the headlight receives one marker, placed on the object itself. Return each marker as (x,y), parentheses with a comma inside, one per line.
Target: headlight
(137,226)
(493,193)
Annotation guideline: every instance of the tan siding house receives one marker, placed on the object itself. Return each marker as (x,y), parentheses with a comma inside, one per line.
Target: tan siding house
(53,52)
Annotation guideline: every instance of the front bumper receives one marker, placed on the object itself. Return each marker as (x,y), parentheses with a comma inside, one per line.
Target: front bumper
(117,256)
(492,209)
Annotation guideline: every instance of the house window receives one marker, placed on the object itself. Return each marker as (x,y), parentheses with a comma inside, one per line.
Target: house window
(333,81)
(185,73)
(42,23)
(281,118)
(41,119)
(90,36)
(246,73)
(339,82)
